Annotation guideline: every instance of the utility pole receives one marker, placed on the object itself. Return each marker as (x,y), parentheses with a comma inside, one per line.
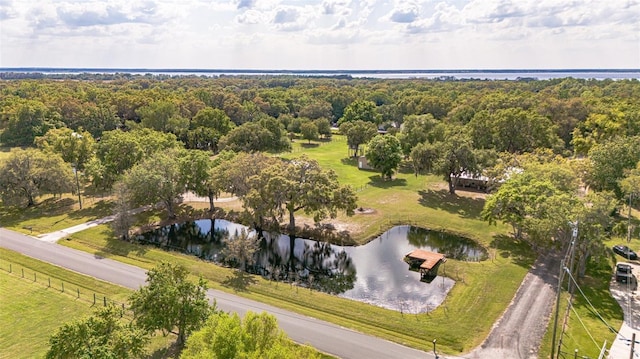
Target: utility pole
(572,250)
(633,343)
(75,170)
(629,220)
(555,322)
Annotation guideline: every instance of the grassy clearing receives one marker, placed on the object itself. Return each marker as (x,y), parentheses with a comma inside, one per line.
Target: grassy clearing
(30,313)
(423,200)
(478,291)
(53,214)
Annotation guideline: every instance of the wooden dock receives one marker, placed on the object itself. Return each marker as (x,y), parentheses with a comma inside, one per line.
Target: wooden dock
(426,262)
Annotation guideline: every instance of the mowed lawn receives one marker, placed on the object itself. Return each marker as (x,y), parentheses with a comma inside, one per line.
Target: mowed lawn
(30,312)
(53,214)
(407,199)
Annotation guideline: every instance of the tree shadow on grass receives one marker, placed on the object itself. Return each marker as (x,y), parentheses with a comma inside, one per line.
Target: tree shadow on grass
(309,145)
(239,280)
(405,168)
(168,352)
(11,216)
(377,181)
(349,161)
(119,247)
(99,210)
(519,251)
(595,285)
(465,207)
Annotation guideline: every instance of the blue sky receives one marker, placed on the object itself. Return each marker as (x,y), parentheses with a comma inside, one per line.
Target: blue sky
(321,34)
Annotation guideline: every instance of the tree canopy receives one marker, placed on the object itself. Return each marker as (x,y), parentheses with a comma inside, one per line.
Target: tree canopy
(170,301)
(384,153)
(158,179)
(102,335)
(227,336)
(29,173)
(358,132)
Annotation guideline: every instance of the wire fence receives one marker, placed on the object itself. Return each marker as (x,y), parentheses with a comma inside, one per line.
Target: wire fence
(72,290)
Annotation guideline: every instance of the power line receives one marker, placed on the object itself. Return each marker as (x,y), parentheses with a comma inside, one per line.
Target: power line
(585,328)
(591,307)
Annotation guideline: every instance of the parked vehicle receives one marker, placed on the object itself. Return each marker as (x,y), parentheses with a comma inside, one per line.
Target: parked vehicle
(623,273)
(625,251)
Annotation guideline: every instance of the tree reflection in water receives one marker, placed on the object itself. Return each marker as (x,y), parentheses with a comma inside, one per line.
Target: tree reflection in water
(318,265)
(450,245)
(383,278)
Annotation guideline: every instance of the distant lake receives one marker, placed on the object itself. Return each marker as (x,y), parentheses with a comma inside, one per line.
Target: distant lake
(504,74)
(374,273)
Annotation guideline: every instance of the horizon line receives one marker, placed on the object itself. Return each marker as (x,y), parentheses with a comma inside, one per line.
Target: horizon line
(332,71)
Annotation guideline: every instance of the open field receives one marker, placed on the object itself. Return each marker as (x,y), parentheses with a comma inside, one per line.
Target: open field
(30,311)
(407,199)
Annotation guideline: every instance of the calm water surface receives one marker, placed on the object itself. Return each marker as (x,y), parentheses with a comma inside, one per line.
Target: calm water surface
(374,273)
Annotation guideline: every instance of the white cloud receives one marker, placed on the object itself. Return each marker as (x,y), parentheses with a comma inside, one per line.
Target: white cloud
(291,18)
(336,7)
(250,17)
(404,12)
(320,33)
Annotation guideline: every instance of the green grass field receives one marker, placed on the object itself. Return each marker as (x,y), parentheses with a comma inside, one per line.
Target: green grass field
(30,311)
(407,199)
(53,214)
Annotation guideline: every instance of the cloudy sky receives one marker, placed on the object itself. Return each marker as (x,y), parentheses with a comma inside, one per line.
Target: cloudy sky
(321,34)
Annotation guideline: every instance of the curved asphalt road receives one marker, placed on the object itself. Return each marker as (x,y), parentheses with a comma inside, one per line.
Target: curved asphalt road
(324,336)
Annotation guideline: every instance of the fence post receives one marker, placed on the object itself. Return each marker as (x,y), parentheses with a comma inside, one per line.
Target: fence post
(34,277)
(49,282)
(9,267)
(78,292)
(105,301)
(22,272)
(122,312)
(94,298)
(62,287)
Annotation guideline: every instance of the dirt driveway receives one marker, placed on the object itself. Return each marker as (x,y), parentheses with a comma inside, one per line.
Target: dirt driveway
(520,330)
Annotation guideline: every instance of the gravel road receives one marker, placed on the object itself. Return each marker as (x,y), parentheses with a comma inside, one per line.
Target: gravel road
(520,330)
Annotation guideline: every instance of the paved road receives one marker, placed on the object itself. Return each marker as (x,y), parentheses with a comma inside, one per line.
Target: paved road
(325,336)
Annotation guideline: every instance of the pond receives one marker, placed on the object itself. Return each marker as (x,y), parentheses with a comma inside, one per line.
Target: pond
(374,273)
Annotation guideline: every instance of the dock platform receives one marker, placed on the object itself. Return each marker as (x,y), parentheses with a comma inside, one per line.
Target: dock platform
(426,262)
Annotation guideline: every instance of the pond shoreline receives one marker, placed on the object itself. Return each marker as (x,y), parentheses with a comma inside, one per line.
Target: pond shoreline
(324,232)
(376,273)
